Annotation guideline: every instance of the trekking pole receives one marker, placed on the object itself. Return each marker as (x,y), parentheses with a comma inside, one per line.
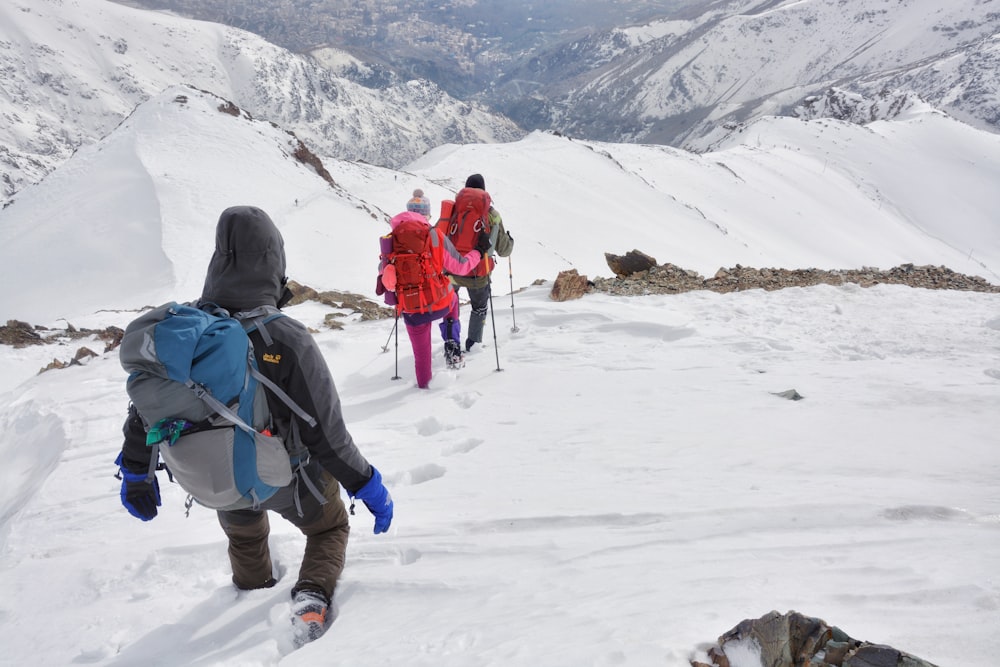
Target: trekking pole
(396,329)
(494,322)
(385,348)
(513,318)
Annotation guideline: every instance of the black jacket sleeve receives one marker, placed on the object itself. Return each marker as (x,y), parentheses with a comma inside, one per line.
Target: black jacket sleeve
(294,362)
(135,453)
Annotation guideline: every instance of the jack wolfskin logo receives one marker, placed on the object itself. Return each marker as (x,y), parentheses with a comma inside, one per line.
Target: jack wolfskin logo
(272,358)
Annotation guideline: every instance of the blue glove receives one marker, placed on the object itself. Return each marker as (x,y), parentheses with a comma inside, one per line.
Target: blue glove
(139,496)
(378,501)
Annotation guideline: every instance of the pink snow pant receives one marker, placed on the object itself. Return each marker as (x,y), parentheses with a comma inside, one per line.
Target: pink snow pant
(418,327)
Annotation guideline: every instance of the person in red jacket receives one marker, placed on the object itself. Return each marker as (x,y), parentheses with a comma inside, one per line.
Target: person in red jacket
(444,258)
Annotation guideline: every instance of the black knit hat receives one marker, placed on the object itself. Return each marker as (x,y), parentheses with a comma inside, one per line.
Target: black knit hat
(475,181)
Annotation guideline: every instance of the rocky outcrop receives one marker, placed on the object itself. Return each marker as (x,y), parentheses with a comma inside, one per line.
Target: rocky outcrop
(82,355)
(670,279)
(368,309)
(306,156)
(569,285)
(630,263)
(21,334)
(854,108)
(795,640)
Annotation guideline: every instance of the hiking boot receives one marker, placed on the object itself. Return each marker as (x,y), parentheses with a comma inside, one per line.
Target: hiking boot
(309,615)
(469,343)
(453,354)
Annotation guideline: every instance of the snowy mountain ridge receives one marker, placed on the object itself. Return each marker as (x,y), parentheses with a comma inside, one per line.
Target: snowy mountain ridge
(680,82)
(776,193)
(74,69)
(673,73)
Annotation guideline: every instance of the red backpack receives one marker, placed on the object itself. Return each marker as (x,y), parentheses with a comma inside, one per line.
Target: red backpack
(418,284)
(470,216)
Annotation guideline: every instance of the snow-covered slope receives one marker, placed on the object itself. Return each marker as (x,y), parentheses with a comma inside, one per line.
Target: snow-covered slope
(629,488)
(920,189)
(73,69)
(147,199)
(782,192)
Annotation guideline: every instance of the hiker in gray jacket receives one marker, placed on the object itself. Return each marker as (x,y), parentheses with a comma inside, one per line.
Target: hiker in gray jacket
(247,270)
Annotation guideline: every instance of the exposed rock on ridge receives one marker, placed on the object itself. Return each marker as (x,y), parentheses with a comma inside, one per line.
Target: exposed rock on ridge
(671,279)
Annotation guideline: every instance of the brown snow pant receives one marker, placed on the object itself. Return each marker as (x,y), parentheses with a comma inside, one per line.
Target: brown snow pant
(325,527)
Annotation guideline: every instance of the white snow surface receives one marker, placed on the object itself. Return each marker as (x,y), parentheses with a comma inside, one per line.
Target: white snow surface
(617,482)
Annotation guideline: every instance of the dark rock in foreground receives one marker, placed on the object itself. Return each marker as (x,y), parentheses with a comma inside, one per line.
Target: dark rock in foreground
(795,640)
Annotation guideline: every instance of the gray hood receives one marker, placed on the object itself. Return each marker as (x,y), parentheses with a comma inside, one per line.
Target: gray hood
(247,268)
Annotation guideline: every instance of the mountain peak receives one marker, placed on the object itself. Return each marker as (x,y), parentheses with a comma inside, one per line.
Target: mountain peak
(67,93)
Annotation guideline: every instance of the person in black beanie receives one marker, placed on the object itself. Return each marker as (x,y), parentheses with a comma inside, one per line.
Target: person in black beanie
(478,286)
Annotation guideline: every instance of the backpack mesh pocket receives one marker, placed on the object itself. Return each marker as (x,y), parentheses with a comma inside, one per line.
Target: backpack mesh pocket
(208,466)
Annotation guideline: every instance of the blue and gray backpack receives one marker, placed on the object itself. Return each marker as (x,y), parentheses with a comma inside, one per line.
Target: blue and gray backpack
(194,379)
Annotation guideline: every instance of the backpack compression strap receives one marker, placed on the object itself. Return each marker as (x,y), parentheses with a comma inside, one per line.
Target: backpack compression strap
(258,318)
(299,461)
(221,408)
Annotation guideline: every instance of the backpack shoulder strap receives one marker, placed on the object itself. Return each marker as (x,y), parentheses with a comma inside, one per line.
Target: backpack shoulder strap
(285,398)
(255,320)
(298,453)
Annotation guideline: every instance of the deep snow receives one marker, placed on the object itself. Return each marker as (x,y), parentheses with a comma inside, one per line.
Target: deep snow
(629,487)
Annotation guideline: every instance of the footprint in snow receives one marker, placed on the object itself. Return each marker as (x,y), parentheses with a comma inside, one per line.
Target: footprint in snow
(463,447)
(925,513)
(425,473)
(430,426)
(466,400)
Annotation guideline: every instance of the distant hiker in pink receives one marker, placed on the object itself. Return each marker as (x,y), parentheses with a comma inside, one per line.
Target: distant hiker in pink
(415,260)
